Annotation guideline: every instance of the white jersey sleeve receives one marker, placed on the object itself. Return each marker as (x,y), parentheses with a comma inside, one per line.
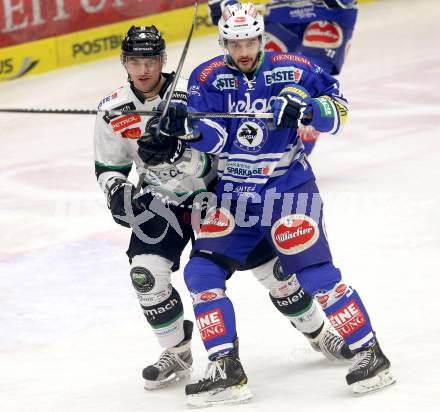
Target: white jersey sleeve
(115,145)
(113,159)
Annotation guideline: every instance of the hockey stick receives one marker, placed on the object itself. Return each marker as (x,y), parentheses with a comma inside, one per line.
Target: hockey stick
(171,89)
(139,112)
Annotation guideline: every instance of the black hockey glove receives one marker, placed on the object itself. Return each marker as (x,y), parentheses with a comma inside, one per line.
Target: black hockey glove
(216,9)
(154,150)
(177,123)
(120,198)
(290,106)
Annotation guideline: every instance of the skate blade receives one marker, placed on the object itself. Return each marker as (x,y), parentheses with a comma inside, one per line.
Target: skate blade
(228,396)
(381,381)
(173,378)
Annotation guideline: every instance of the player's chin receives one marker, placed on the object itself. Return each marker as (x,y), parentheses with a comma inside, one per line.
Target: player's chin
(143,84)
(245,66)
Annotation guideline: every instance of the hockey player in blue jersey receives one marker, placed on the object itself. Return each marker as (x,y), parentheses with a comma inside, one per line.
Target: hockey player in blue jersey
(266,190)
(176,174)
(321,30)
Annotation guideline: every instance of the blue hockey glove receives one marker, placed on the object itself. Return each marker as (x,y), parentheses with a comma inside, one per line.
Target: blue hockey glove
(177,123)
(216,9)
(339,4)
(290,106)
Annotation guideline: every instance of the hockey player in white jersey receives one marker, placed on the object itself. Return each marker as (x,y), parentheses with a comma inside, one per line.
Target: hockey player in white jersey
(176,175)
(155,245)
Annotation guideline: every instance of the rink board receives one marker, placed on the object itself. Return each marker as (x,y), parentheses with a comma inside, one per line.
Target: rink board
(92,44)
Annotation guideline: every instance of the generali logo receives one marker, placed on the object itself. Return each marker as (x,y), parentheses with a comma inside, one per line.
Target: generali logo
(204,74)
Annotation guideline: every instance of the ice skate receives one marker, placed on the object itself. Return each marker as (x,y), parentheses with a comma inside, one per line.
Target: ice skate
(173,365)
(331,344)
(371,371)
(225,383)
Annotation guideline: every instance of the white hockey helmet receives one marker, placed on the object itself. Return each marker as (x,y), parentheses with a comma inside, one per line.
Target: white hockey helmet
(240,21)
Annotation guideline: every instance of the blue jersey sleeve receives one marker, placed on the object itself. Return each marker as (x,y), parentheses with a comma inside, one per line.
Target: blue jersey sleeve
(329,107)
(203,98)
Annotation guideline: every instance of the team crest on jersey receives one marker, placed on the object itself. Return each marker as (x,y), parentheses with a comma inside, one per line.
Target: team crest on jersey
(225,81)
(294,233)
(282,75)
(323,34)
(251,135)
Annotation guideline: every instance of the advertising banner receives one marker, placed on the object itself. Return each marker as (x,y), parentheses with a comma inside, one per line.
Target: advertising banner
(24,59)
(72,43)
(105,41)
(24,21)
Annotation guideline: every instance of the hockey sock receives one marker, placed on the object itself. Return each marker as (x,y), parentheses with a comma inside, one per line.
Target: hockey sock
(215,319)
(213,310)
(166,319)
(298,306)
(345,310)
(340,302)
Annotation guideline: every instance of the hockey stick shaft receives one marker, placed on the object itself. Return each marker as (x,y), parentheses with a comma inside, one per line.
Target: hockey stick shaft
(171,89)
(139,112)
(179,68)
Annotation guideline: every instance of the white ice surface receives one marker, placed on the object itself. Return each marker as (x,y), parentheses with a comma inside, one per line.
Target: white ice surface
(72,337)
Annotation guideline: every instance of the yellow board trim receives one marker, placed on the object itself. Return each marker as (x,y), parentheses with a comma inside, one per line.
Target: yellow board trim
(85,46)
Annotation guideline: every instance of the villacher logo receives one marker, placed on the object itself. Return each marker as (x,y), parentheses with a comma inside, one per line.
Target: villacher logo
(294,233)
(218,223)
